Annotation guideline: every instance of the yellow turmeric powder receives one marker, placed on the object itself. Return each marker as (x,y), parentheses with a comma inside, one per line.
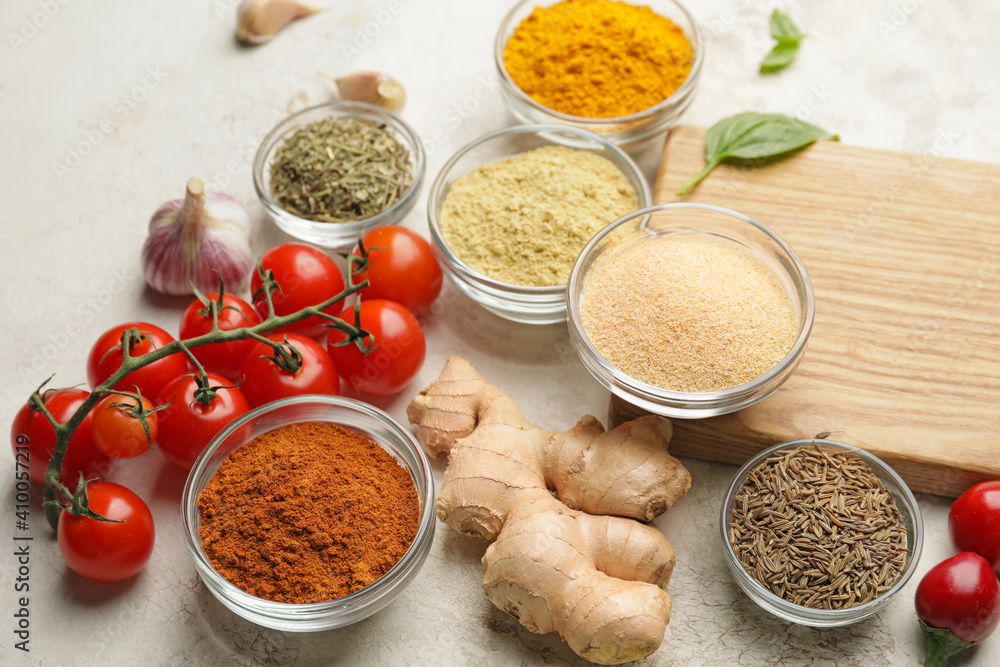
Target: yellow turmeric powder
(598,58)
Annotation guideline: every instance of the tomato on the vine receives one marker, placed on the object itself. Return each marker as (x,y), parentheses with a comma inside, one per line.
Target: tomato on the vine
(106,358)
(222,358)
(117,430)
(265,379)
(305,277)
(400,267)
(186,426)
(105,550)
(30,428)
(974,522)
(397,348)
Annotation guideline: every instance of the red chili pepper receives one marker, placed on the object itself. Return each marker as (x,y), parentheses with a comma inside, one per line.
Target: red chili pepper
(958,604)
(974,522)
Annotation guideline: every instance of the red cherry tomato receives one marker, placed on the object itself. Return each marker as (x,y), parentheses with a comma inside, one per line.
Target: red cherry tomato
(106,358)
(32,430)
(117,432)
(401,267)
(307,277)
(103,550)
(974,522)
(266,381)
(958,603)
(222,358)
(398,356)
(187,426)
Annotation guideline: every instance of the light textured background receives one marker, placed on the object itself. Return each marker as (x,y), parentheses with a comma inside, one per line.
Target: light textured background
(883,74)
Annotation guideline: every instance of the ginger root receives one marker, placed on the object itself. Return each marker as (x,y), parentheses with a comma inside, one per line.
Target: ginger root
(554,565)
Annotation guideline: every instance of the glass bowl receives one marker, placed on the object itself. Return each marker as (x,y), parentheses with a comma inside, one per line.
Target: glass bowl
(722,224)
(533,305)
(622,130)
(355,415)
(826,618)
(336,234)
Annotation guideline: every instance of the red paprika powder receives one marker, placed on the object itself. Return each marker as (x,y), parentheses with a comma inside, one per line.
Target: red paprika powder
(308,512)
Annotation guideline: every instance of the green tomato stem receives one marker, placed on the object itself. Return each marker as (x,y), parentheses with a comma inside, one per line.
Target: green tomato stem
(941,645)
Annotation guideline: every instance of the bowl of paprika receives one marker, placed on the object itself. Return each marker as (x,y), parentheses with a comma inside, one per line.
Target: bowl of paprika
(309,513)
(626,72)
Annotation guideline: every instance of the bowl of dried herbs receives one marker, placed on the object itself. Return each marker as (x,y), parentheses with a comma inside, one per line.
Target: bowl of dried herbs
(329,173)
(820,533)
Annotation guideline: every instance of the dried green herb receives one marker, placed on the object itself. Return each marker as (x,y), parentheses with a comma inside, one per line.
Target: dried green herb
(754,136)
(818,529)
(788,37)
(340,170)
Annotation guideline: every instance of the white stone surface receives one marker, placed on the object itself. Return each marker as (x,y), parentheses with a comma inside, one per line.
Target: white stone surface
(883,74)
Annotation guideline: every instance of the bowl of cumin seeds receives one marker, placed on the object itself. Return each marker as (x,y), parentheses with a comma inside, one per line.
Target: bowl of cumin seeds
(820,533)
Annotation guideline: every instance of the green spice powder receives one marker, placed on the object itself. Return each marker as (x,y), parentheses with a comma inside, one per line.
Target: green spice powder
(523,220)
(340,170)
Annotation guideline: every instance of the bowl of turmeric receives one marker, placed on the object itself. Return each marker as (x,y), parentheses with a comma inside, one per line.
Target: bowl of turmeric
(309,513)
(624,71)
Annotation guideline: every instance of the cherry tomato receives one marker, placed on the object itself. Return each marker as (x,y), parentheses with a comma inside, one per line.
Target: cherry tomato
(398,356)
(974,522)
(401,267)
(103,550)
(266,381)
(958,604)
(106,358)
(307,277)
(186,426)
(222,358)
(32,429)
(115,429)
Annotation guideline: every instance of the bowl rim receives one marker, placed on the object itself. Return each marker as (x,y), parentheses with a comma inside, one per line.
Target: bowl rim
(906,502)
(697,43)
(310,610)
(342,108)
(575,289)
(436,195)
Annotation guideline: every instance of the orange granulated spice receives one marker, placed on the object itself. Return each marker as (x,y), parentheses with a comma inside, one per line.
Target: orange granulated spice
(598,58)
(308,512)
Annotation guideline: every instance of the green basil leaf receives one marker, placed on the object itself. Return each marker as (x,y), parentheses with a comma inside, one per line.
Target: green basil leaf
(782,28)
(754,136)
(780,57)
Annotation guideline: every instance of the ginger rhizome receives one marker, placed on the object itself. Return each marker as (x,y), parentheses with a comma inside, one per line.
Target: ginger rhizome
(582,565)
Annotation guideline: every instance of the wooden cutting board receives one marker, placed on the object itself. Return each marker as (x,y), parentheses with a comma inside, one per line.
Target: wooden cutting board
(904,255)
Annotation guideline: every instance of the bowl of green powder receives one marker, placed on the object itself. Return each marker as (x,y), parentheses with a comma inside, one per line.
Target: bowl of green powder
(329,173)
(511,211)
(690,310)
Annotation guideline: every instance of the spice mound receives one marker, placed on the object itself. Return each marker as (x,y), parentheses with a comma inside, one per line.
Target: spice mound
(819,529)
(340,170)
(685,312)
(309,512)
(598,58)
(524,219)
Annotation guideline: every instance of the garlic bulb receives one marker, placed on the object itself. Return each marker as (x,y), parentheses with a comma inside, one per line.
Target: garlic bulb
(191,239)
(257,21)
(372,87)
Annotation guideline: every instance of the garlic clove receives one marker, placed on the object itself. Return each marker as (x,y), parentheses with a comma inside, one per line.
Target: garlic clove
(257,21)
(198,239)
(372,87)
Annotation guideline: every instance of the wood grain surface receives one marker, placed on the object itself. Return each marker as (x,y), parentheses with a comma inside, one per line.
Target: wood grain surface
(904,255)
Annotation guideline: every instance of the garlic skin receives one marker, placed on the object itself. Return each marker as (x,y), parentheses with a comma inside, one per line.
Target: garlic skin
(191,239)
(374,88)
(257,21)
